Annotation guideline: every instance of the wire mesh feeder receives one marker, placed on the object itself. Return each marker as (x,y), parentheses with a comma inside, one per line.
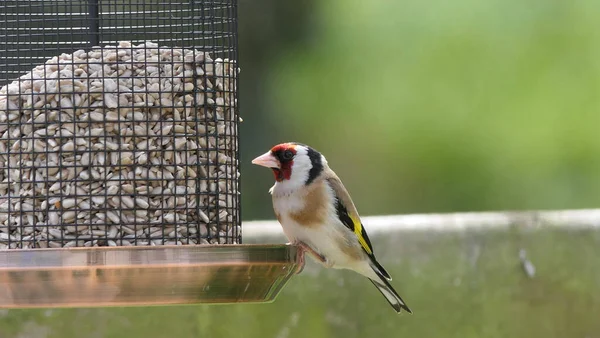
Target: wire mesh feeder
(118,124)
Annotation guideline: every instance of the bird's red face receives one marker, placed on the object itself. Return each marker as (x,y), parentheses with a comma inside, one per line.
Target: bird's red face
(280,159)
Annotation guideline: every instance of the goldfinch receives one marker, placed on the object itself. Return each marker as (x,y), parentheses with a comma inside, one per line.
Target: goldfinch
(318,215)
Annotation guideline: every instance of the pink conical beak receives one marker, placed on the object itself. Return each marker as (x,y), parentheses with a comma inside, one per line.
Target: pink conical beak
(267,160)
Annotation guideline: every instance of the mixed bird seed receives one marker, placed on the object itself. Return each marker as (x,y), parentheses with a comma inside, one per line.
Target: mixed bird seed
(120,145)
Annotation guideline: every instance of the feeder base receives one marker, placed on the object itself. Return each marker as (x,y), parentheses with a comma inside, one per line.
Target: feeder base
(134,276)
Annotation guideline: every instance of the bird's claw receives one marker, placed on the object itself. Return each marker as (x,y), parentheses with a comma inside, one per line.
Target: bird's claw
(304,248)
(320,258)
(300,255)
(301,262)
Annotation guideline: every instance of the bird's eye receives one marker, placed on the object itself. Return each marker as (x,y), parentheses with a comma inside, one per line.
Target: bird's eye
(288,155)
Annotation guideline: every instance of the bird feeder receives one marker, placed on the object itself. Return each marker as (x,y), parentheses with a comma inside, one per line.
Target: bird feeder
(119,157)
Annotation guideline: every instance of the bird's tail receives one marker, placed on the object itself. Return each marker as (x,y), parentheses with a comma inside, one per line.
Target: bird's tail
(390,294)
(387,290)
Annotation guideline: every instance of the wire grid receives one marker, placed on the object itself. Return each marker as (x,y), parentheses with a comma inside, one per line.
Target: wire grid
(131,143)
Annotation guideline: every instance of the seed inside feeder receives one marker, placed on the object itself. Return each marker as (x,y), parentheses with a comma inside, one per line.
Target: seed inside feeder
(120,145)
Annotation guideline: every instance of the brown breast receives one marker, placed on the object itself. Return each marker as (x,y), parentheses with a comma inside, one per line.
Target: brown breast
(315,209)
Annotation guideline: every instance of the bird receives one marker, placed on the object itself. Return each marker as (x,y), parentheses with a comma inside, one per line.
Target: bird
(318,215)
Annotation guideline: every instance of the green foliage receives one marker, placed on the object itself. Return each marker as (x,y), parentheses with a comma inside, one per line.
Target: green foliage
(446,106)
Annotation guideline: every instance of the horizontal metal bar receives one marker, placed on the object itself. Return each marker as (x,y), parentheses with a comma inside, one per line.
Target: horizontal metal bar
(47,46)
(72,28)
(580,218)
(128,13)
(28,43)
(33,29)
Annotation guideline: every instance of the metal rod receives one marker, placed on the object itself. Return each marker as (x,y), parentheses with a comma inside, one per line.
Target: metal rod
(94,22)
(582,218)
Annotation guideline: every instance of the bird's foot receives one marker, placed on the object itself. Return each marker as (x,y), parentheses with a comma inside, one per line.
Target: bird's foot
(301,261)
(304,248)
(310,250)
(320,258)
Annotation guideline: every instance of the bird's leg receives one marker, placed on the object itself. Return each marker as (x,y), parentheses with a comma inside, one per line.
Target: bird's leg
(299,255)
(303,248)
(310,250)
(301,260)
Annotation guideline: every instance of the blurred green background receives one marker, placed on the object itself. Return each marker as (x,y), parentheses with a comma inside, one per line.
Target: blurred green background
(434,106)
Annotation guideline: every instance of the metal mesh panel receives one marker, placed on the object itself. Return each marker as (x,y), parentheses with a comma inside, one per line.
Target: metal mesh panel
(118,123)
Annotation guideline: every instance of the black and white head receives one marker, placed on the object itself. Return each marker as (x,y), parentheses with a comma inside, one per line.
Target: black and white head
(294,164)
